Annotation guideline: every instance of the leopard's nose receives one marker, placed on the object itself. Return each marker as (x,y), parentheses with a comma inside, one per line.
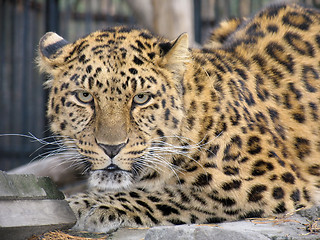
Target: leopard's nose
(112,150)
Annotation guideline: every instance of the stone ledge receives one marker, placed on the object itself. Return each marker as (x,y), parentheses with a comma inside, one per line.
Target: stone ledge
(31,206)
(20,213)
(27,186)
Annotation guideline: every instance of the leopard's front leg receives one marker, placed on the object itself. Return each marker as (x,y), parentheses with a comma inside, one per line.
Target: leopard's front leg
(137,208)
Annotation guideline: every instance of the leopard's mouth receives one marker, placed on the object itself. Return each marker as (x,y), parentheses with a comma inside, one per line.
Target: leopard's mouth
(111,178)
(114,178)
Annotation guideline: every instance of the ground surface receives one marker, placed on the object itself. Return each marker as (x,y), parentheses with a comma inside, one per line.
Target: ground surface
(302,226)
(40,207)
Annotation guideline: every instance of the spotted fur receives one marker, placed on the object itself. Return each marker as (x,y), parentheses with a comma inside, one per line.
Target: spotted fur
(223,31)
(179,136)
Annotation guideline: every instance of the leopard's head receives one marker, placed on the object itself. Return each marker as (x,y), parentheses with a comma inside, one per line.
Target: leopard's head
(117,94)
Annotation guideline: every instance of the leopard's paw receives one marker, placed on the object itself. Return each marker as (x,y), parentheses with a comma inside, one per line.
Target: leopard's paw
(100,218)
(94,217)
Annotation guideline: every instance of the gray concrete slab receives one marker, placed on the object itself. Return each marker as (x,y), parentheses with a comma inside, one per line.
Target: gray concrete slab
(129,234)
(20,219)
(27,186)
(19,213)
(288,228)
(20,186)
(31,206)
(240,230)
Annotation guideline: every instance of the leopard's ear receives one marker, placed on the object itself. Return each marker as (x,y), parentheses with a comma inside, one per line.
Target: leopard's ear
(50,55)
(175,55)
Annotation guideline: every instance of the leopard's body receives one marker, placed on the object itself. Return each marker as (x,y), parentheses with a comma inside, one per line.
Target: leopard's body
(178,136)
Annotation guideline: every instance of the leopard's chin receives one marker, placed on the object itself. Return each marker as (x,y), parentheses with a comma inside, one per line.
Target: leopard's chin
(110,181)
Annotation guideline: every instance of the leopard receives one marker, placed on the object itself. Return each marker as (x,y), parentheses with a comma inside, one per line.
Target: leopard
(222,32)
(174,135)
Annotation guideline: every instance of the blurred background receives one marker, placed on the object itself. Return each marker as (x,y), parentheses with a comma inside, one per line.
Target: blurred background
(23,22)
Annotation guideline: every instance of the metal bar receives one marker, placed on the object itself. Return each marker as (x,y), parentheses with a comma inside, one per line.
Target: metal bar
(25,104)
(17,87)
(5,93)
(37,80)
(51,24)
(52,15)
(197,20)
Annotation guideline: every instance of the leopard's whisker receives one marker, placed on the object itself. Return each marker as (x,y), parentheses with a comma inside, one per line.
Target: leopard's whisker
(160,161)
(175,152)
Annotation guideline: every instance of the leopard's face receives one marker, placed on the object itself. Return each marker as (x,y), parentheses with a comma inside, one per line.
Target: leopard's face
(117,103)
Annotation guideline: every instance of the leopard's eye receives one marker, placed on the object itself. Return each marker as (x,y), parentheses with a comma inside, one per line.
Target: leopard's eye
(84,97)
(141,98)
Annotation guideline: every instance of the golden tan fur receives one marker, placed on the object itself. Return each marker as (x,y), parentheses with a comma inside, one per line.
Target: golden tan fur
(179,136)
